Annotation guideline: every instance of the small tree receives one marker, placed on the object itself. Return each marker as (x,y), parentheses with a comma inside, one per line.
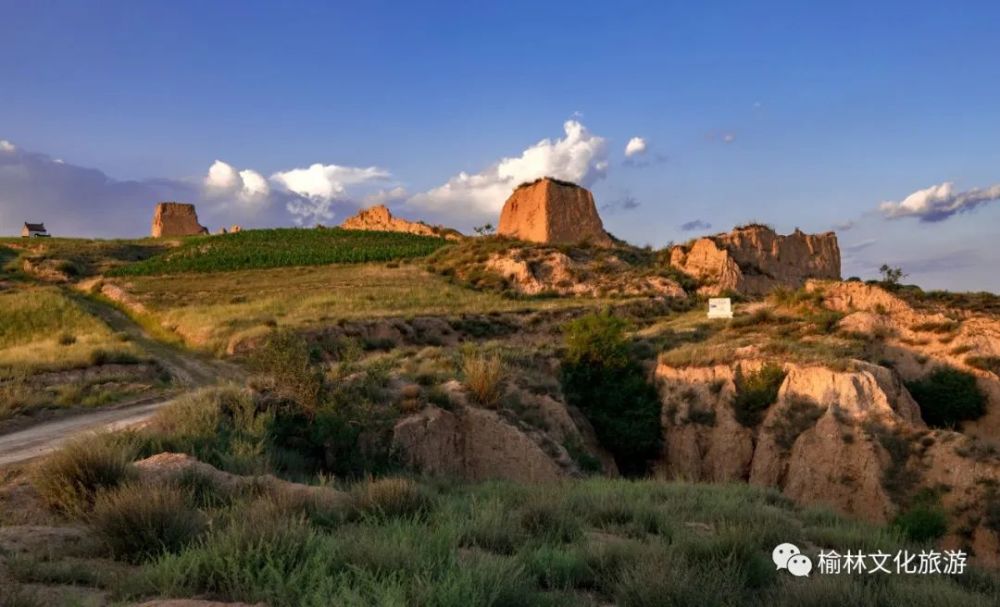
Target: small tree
(890,275)
(487,229)
(602,378)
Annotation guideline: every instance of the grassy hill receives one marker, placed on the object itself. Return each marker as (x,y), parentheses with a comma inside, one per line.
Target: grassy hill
(256,249)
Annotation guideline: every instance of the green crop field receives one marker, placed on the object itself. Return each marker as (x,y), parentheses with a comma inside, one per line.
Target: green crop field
(255,249)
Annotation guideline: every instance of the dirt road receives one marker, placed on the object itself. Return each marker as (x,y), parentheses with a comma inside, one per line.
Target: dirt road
(189,371)
(38,440)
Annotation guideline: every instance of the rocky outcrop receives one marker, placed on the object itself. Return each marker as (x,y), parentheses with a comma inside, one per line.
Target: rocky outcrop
(753,260)
(176,219)
(477,444)
(533,272)
(852,440)
(473,444)
(378,218)
(799,446)
(552,211)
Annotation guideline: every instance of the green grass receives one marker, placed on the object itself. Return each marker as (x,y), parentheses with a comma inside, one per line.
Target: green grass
(274,248)
(43,329)
(397,541)
(572,544)
(210,309)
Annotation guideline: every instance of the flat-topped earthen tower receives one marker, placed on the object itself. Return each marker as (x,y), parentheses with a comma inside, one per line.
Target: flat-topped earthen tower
(176,219)
(548,210)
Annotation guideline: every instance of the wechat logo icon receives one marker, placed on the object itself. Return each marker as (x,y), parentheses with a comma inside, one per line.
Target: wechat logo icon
(788,556)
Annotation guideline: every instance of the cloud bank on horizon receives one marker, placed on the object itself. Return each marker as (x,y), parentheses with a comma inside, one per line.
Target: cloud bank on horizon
(82,201)
(86,202)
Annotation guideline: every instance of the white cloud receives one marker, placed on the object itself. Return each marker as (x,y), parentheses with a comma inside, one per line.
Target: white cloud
(6,146)
(327,181)
(254,183)
(579,157)
(635,145)
(320,186)
(939,202)
(243,194)
(728,137)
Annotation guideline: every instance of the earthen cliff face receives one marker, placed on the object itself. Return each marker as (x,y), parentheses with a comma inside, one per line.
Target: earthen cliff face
(378,218)
(176,219)
(753,260)
(552,211)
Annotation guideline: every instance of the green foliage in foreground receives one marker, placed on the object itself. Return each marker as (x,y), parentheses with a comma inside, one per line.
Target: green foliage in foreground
(274,248)
(394,541)
(593,542)
(603,379)
(948,396)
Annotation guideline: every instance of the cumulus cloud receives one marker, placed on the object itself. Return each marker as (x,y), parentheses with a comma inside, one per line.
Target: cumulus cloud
(320,187)
(579,157)
(327,181)
(6,146)
(248,184)
(635,146)
(695,225)
(939,202)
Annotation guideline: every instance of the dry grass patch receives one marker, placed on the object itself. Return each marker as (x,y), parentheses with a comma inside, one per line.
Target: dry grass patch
(484,377)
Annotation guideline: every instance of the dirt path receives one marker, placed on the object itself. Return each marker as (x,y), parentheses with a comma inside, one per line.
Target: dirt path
(189,370)
(48,436)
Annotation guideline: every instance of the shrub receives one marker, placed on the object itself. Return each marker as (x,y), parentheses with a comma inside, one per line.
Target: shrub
(948,396)
(139,522)
(287,359)
(609,386)
(69,479)
(755,392)
(392,497)
(67,339)
(922,522)
(484,377)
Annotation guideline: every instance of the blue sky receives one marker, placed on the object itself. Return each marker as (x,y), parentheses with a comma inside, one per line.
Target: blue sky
(789,113)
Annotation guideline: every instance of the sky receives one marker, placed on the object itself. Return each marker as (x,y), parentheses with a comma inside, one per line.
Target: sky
(878,120)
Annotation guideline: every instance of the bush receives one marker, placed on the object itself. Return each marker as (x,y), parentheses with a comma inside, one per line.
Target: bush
(67,339)
(392,497)
(139,522)
(69,479)
(286,358)
(923,522)
(947,397)
(603,380)
(484,376)
(755,392)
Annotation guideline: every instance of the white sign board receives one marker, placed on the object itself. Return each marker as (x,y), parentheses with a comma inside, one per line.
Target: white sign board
(720,307)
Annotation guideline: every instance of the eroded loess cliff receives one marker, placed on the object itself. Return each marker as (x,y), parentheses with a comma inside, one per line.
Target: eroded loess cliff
(850,438)
(753,260)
